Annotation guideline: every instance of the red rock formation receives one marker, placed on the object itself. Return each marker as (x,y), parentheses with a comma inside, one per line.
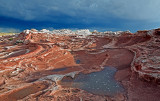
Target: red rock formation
(28,62)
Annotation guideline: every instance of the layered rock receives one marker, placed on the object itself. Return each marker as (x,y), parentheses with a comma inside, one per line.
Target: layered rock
(39,60)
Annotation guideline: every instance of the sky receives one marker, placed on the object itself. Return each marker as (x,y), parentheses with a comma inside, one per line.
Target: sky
(101,15)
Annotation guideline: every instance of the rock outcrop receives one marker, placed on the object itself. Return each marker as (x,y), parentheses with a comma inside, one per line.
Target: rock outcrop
(34,62)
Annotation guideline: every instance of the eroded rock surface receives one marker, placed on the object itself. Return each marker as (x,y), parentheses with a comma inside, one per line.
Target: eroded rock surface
(33,63)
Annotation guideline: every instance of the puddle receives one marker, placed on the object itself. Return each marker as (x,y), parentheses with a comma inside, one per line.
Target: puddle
(16,53)
(100,83)
(78,61)
(59,69)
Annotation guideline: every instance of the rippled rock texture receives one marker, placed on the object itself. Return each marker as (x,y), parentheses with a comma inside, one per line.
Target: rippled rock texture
(34,65)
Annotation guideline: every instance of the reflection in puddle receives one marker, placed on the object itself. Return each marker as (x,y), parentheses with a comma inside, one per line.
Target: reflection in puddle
(78,61)
(101,83)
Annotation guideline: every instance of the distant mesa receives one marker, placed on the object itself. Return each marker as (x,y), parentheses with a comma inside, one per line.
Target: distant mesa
(82,32)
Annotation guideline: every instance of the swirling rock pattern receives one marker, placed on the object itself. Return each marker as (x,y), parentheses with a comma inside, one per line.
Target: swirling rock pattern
(34,62)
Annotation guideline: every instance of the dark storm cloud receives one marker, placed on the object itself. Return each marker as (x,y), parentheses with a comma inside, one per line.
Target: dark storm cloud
(93,13)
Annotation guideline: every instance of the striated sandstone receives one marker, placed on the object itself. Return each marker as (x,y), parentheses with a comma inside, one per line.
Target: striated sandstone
(33,64)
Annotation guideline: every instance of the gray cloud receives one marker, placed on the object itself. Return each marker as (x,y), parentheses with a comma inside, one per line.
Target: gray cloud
(84,9)
(93,14)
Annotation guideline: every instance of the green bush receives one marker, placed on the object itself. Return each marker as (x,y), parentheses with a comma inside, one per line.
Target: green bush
(10,39)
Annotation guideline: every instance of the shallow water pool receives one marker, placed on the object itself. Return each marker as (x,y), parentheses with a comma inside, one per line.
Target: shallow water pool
(101,83)
(59,69)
